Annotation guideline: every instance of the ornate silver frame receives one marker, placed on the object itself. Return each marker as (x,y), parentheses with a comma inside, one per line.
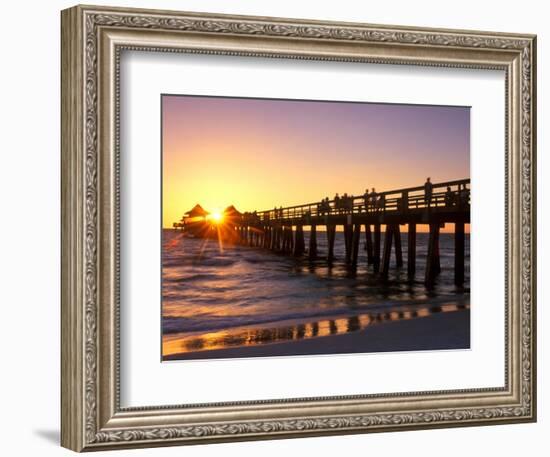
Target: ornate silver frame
(92,40)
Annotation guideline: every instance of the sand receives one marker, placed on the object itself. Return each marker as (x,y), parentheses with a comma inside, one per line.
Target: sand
(445,330)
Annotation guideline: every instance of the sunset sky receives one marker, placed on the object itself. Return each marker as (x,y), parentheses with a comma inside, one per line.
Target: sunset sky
(261,153)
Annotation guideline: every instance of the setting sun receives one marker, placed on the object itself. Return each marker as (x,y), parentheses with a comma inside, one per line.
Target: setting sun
(216,216)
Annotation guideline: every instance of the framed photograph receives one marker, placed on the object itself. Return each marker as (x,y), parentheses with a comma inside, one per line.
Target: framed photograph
(277,228)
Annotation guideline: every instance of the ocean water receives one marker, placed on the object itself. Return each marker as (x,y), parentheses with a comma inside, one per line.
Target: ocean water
(217,296)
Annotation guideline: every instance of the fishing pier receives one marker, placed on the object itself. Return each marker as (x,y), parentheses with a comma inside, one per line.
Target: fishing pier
(362,217)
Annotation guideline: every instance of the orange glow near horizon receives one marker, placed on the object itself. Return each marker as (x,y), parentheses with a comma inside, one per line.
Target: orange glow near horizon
(260,154)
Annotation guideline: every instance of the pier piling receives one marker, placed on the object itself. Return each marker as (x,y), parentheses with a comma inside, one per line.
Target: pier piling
(313,242)
(355,244)
(398,252)
(411,251)
(459,253)
(388,237)
(299,243)
(376,256)
(331,235)
(432,261)
(368,244)
(348,235)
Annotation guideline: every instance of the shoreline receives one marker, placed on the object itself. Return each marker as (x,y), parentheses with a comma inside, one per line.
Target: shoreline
(438,331)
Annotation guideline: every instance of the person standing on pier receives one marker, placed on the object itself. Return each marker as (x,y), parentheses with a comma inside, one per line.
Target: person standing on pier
(344,202)
(337,202)
(381,203)
(326,206)
(322,207)
(463,196)
(373,197)
(449,197)
(366,200)
(428,192)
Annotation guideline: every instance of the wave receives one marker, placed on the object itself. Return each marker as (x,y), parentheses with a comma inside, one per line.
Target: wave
(209,323)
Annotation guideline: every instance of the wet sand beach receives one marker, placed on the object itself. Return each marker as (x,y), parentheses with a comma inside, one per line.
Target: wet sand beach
(440,330)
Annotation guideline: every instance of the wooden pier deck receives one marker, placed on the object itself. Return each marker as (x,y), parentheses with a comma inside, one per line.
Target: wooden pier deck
(282,229)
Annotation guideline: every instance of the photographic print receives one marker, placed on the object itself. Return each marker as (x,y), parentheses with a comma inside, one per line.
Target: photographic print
(306,227)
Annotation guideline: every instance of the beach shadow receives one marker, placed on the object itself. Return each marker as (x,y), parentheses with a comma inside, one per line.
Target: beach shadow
(51,435)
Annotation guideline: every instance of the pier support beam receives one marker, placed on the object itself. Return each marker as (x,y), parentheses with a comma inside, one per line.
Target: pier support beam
(388,237)
(288,240)
(432,261)
(299,243)
(437,255)
(348,235)
(286,243)
(331,235)
(266,241)
(313,242)
(459,253)
(368,245)
(411,251)
(376,253)
(273,244)
(398,250)
(355,244)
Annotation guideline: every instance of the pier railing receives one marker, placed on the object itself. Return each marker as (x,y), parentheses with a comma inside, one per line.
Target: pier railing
(450,194)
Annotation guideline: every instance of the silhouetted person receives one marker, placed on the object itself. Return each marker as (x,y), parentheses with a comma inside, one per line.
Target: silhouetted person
(463,196)
(344,201)
(337,202)
(366,199)
(449,197)
(322,207)
(373,197)
(326,205)
(428,192)
(381,203)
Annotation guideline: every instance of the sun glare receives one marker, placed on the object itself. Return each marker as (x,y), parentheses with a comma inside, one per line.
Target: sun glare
(217,217)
